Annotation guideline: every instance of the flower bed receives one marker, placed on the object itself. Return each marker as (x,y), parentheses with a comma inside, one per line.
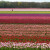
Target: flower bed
(37,39)
(25,18)
(24,37)
(25,29)
(24,46)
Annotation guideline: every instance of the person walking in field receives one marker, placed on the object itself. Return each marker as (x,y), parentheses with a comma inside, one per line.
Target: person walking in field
(12,9)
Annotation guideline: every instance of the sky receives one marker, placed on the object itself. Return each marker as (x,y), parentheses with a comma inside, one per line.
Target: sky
(27,0)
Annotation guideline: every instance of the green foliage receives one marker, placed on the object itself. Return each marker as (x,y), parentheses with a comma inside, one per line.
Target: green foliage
(24,12)
(6,48)
(4,4)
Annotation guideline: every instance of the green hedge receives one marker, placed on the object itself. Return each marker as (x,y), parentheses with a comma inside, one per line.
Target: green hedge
(6,48)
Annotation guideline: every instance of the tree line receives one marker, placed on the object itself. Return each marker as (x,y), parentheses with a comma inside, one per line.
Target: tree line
(4,4)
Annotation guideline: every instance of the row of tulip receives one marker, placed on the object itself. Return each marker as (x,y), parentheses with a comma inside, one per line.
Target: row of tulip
(25,18)
(25,21)
(24,46)
(24,39)
(25,29)
(31,27)
(41,15)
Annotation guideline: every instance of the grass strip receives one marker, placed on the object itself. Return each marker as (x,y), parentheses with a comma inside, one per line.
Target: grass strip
(24,12)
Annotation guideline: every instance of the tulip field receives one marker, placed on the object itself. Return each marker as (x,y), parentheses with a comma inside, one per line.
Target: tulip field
(25,30)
